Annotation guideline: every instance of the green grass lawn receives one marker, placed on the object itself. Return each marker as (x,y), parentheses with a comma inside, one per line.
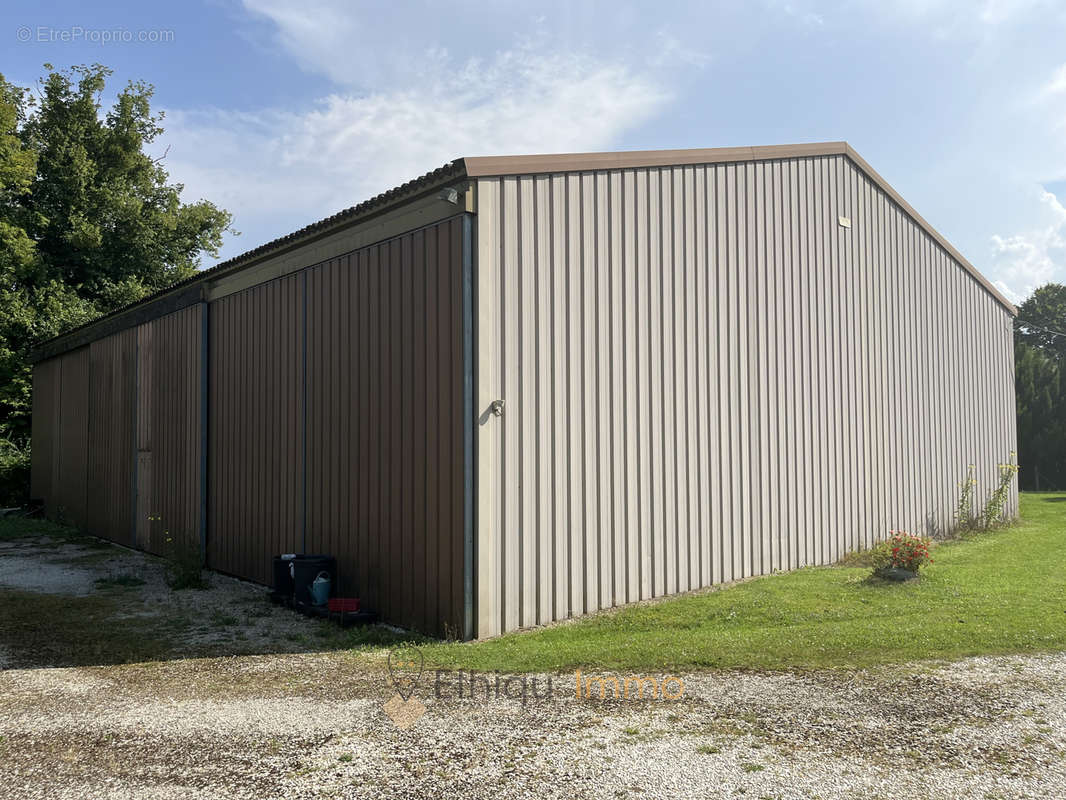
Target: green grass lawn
(998,592)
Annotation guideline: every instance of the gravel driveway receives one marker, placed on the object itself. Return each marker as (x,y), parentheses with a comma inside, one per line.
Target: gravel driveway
(313,725)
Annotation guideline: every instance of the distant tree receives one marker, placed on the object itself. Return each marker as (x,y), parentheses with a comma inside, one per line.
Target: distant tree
(1040,388)
(1042,319)
(88,220)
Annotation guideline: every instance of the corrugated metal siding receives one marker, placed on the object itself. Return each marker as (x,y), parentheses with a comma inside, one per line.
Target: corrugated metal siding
(706,377)
(72,462)
(60,430)
(384,446)
(169,432)
(256,419)
(112,457)
(45,416)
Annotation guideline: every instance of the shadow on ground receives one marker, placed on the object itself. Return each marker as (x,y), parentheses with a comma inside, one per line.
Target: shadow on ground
(72,600)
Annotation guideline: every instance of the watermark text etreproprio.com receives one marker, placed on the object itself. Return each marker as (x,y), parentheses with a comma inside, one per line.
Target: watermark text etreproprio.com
(77,33)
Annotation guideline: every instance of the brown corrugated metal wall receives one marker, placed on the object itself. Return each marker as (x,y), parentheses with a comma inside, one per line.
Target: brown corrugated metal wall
(349,372)
(45,417)
(116,433)
(384,447)
(112,457)
(169,432)
(59,462)
(706,376)
(72,460)
(256,427)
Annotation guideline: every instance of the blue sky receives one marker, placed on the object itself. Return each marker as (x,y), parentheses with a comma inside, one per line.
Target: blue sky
(285,112)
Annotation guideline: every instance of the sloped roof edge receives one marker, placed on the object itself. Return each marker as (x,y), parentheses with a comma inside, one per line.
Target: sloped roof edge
(498,166)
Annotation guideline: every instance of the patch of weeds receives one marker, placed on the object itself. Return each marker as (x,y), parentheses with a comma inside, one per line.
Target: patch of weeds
(631,731)
(708,749)
(91,557)
(749,766)
(742,725)
(726,727)
(345,757)
(12,528)
(123,581)
(185,562)
(368,637)
(52,630)
(186,575)
(857,558)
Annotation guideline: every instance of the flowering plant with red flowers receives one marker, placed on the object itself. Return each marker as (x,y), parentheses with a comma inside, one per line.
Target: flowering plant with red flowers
(904,551)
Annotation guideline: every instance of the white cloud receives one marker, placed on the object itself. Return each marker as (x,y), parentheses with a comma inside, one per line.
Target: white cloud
(1029,259)
(292,167)
(412,92)
(1009,293)
(669,51)
(1057,84)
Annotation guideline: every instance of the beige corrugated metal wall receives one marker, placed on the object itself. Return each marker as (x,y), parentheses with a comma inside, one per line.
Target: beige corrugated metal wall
(707,377)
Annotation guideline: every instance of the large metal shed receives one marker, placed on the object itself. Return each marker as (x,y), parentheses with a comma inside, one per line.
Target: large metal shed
(525,388)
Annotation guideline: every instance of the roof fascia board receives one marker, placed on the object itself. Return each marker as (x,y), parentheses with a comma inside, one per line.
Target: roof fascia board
(488,166)
(172,299)
(411,216)
(134,315)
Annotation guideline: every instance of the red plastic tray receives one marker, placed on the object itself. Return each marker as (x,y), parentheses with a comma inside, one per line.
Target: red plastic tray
(348,604)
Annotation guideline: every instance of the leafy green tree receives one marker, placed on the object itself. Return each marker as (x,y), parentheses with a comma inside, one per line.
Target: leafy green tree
(1042,321)
(1040,388)
(89,221)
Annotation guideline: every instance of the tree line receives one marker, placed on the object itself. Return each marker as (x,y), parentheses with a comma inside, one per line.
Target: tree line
(1040,388)
(89,222)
